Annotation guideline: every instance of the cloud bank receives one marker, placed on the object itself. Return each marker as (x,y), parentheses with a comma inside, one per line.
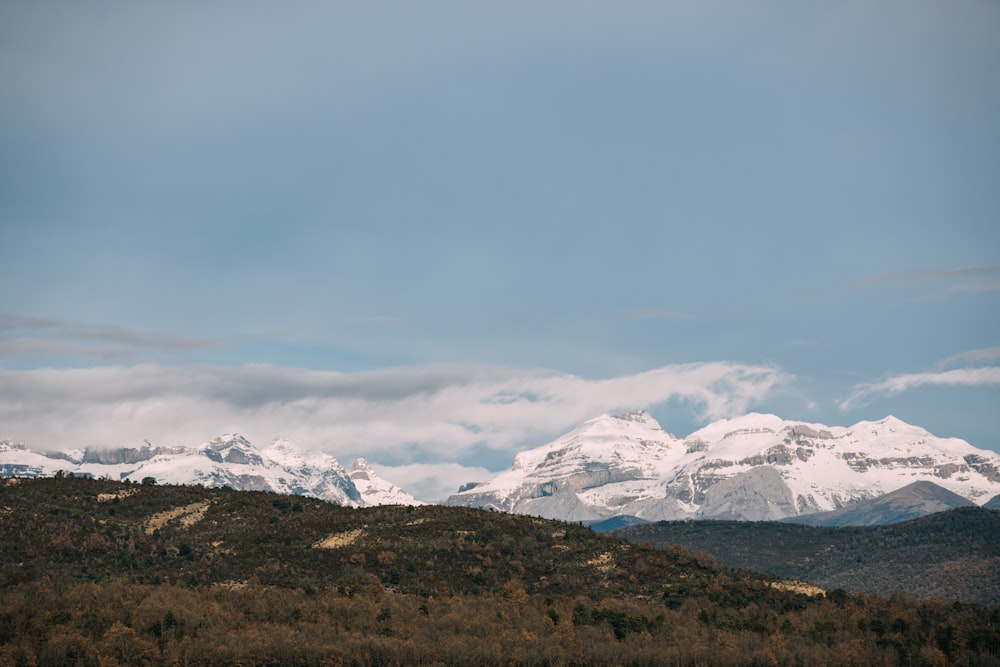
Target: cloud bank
(394,416)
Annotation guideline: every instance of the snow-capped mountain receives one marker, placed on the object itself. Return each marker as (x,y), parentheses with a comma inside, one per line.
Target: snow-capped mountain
(377,491)
(616,456)
(229,460)
(16,460)
(756,467)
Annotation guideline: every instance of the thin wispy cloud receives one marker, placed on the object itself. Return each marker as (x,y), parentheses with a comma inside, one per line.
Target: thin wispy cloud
(897,277)
(970,357)
(956,290)
(657,314)
(896,384)
(394,415)
(22,336)
(946,283)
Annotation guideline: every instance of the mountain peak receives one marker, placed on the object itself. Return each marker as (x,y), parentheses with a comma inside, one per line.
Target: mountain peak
(362,468)
(890,424)
(228,440)
(375,490)
(637,416)
(754,466)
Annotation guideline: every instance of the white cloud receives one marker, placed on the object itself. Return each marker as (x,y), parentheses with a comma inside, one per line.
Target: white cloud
(985,354)
(432,482)
(896,384)
(428,414)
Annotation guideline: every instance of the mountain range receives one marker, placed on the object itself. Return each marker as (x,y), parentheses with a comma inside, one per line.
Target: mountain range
(756,467)
(618,467)
(228,460)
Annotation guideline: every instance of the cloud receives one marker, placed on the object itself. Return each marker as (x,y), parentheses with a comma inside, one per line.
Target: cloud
(894,277)
(656,314)
(432,482)
(896,384)
(43,337)
(985,354)
(393,416)
(963,280)
(964,288)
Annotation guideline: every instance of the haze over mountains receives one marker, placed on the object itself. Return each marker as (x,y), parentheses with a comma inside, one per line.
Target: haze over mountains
(754,467)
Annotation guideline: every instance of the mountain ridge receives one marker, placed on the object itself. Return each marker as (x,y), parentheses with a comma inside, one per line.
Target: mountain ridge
(753,467)
(910,502)
(949,555)
(227,460)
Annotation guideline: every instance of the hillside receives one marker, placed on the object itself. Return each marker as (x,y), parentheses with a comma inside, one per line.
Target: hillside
(910,502)
(99,572)
(952,555)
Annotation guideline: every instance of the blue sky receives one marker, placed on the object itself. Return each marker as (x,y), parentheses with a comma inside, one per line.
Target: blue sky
(434,233)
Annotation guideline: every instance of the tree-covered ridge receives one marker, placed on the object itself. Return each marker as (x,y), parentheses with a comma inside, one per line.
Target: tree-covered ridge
(100,573)
(952,555)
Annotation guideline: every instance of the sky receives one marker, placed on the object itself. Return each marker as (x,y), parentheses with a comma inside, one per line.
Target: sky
(434,234)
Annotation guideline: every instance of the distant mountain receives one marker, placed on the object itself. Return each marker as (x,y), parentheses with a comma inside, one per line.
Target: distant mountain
(910,502)
(228,460)
(375,490)
(595,472)
(951,555)
(616,522)
(754,467)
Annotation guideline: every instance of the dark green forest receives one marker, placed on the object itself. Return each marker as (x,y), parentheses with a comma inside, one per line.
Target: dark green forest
(952,555)
(94,572)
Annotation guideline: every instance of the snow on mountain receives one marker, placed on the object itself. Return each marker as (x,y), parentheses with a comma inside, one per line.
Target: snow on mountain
(228,460)
(910,502)
(16,460)
(596,471)
(376,491)
(315,473)
(756,467)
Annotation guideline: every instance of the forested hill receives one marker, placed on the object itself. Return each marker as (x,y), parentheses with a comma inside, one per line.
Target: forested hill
(952,555)
(97,572)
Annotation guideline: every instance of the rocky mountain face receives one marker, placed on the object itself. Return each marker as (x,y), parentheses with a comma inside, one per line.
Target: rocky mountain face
(228,460)
(754,467)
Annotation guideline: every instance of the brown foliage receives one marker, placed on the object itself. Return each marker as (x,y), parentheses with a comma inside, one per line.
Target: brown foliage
(458,587)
